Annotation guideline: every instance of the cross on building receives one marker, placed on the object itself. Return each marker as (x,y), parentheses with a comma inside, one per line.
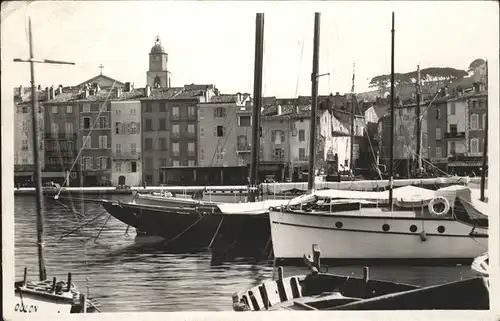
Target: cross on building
(100,67)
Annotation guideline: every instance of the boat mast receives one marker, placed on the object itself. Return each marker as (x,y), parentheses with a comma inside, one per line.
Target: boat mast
(36,154)
(257,103)
(352,121)
(485,147)
(419,124)
(314,104)
(391,141)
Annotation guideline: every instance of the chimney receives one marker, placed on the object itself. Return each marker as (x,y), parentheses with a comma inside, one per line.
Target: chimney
(39,87)
(147,91)
(278,110)
(119,91)
(127,87)
(21,90)
(96,87)
(51,92)
(169,82)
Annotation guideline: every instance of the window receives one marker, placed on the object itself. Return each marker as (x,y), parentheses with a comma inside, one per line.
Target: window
(484,121)
(69,128)
(474,145)
(25,127)
(474,119)
(191,151)
(220,112)
(452,108)
(55,109)
(86,122)
(149,108)
(438,133)
(163,162)
(245,121)
(162,123)
(438,113)
(175,111)
(242,142)
(176,163)
(118,149)
(278,136)
(24,144)
(219,131)
(55,130)
(302,154)
(118,128)
(191,129)
(88,162)
(149,125)
(220,153)
(163,143)
(175,130)
(103,122)
(133,167)
(453,148)
(87,142)
(118,166)
(148,163)
(302,135)
(453,128)
(102,162)
(191,163)
(133,148)
(202,154)
(163,109)
(202,132)
(191,111)
(69,109)
(103,141)
(278,154)
(474,104)
(149,144)
(175,149)
(86,108)
(202,113)
(132,111)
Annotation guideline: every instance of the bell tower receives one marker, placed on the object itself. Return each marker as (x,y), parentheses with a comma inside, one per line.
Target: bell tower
(157,76)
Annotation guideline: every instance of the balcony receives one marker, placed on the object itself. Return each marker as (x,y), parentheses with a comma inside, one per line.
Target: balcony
(461,157)
(454,135)
(60,136)
(175,116)
(243,148)
(191,153)
(175,135)
(127,156)
(24,168)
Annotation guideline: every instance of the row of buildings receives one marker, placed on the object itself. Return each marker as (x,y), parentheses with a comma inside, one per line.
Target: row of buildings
(106,132)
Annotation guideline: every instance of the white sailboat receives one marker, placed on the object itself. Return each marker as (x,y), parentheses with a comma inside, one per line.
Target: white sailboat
(406,223)
(44,296)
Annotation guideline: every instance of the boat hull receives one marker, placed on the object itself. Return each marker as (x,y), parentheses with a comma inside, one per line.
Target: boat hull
(39,304)
(350,237)
(189,229)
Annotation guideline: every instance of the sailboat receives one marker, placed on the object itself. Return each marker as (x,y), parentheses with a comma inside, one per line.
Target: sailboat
(188,224)
(45,296)
(406,223)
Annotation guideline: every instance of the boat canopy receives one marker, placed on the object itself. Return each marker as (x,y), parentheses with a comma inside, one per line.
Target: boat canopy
(250,207)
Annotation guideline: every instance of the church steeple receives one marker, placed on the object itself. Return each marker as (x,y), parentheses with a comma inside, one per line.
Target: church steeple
(157,76)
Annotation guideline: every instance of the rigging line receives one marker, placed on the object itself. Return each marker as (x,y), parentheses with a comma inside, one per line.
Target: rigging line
(81,226)
(102,228)
(300,64)
(88,135)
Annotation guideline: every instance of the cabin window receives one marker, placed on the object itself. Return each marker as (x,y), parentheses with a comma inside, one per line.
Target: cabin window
(413,228)
(386,227)
(338,224)
(441,229)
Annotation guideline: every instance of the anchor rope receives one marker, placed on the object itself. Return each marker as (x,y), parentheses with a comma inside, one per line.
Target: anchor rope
(184,231)
(102,228)
(81,226)
(217,231)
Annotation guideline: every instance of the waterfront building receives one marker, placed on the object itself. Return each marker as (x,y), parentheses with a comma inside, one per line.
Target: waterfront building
(126,139)
(158,75)
(23,134)
(169,132)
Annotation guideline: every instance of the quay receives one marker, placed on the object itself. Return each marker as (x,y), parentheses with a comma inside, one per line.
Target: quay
(265,188)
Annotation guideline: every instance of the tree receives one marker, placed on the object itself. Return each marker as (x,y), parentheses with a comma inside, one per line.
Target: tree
(476,63)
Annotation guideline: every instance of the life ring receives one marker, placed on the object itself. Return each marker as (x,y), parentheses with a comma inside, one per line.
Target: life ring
(439,200)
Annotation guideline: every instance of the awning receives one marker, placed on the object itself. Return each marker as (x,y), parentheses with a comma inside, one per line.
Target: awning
(465,164)
(53,174)
(23,174)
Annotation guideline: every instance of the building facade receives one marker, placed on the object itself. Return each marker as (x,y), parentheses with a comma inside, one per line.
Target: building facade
(126,142)
(158,75)
(437,149)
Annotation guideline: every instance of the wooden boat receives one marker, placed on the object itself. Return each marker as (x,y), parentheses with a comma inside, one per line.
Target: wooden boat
(419,228)
(323,291)
(45,296)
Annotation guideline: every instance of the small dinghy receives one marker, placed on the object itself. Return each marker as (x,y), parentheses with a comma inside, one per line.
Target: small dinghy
(324,291)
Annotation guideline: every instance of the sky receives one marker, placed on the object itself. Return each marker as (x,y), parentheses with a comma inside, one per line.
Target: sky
(213,42)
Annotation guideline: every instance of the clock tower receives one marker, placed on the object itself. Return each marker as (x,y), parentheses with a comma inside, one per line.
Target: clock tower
(157,76)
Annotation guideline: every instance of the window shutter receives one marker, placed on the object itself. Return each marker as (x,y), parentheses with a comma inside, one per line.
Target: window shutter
(215,130)
(215,112)
(282,136)
(273,136)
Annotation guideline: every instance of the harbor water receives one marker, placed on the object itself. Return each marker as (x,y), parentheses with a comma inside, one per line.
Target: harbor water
(124,276)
